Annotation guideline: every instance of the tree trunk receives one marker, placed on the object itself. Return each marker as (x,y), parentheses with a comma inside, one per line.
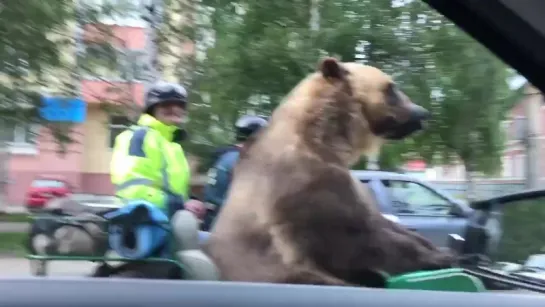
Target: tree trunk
(471,188)
(531,109)
(314,21)
(4,175)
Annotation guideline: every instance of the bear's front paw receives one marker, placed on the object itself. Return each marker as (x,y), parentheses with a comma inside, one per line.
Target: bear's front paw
(438,261)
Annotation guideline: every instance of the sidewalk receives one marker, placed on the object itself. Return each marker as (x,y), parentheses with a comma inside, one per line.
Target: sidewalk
(13,227)
(12,209)
(10,266)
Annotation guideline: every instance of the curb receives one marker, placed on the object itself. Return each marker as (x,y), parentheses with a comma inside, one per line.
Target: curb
(10,255)
(14,227)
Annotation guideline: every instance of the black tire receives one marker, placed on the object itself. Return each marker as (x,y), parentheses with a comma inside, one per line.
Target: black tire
(38,267)
(147,270)
(129,274)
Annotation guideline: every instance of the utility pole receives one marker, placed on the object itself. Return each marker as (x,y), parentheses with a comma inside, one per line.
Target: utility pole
(153,13)
(79,42)
(314,21)
(4,171)
(532,104)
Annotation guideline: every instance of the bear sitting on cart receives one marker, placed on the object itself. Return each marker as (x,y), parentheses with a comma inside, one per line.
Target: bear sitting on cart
(294,214)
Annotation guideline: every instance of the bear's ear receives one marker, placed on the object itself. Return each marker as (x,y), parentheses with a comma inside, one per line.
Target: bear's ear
(331,68)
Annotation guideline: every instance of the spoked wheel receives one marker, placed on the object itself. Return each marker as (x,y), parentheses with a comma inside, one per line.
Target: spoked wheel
(148,270)
(38,267)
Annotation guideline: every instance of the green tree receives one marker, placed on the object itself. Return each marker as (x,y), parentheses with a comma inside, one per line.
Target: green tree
(475,97)
(452,75)
(523,230)
(262,49)
(31,44)
(39,39)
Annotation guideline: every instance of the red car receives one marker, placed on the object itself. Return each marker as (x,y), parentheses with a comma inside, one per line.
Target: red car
(43,189)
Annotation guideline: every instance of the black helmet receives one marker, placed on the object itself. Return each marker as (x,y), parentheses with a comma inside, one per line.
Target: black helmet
(164,91)
(248,125)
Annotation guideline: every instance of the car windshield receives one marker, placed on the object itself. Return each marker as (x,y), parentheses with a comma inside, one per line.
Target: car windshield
(393,79)
(47,183)
(536,261)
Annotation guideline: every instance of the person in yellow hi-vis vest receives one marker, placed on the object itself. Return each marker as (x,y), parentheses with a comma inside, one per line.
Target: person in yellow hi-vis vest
(148,162)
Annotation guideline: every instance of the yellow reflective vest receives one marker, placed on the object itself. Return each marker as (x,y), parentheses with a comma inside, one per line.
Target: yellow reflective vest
(147,165)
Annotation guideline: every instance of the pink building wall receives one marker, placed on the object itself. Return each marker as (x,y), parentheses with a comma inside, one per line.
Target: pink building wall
(514,153)
(515,149)
(46,161)
(86,163)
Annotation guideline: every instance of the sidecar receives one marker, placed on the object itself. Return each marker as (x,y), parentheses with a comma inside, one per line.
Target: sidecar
(142,238)
(150,245)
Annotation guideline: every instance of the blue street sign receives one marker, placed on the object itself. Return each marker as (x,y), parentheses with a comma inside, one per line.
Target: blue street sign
(63,109)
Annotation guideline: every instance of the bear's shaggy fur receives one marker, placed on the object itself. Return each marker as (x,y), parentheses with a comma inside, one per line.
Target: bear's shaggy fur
(294,214)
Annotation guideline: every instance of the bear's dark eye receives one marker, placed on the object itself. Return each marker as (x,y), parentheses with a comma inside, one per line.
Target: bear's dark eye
(391,94)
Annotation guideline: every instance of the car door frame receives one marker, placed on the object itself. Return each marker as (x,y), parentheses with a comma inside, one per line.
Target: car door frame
(493,207)
(448,219)
(381,196)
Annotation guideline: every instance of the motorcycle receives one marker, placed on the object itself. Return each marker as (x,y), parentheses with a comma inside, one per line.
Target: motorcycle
(150,245)
(141,237)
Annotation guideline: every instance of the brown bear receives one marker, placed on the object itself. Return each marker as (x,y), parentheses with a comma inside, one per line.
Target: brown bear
(294,214)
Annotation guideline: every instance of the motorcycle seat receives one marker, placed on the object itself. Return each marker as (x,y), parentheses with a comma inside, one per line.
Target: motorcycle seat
(198,266)
(68,206)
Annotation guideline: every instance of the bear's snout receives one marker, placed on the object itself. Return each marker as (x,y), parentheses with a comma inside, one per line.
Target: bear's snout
(414,123)
(419,113)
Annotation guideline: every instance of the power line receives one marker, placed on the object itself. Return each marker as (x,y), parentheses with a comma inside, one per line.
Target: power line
(153,10)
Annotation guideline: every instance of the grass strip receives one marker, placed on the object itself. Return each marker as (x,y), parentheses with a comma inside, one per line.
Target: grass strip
(15,218)
(11,243)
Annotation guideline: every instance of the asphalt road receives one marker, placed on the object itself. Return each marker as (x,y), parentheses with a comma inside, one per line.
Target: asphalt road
(17,267)
(21,267)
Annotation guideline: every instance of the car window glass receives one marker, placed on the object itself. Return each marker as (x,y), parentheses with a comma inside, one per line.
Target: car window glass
(536,261)
(413,198)
(47,184)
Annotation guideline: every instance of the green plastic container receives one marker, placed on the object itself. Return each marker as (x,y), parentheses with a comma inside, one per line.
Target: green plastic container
(440,280)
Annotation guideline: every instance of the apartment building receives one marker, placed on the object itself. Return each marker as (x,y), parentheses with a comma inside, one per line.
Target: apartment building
(34,153)
(514,156)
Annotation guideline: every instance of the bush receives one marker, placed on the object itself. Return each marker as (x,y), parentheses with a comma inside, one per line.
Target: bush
(15,218)
(523,231)
(12,243)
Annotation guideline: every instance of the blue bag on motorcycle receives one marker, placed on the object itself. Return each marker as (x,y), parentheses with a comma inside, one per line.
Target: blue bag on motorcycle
(138,230)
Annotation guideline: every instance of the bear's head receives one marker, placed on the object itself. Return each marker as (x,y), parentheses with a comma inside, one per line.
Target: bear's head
(350,108)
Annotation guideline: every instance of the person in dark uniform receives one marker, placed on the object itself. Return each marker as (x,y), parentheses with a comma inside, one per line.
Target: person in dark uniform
(219,176)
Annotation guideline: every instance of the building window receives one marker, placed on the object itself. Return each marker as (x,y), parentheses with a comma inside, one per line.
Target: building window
(126,13)
(439,172)
(507,166)
(505,127)
(411,198)
(20,137)
(133,65)
(113,64)
(100,61)
(518,132)
(520,165)
(117,125)
(460,172)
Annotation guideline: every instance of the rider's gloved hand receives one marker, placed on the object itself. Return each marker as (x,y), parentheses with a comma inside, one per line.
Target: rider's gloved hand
(196,207)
